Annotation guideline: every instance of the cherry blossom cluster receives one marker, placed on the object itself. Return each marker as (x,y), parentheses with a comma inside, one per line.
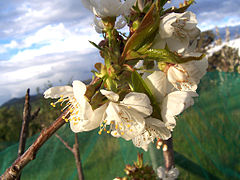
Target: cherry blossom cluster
(149,76)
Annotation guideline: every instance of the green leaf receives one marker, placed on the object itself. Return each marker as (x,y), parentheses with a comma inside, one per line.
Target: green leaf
(165,55)
(145,33)
(95,45)
(138,85)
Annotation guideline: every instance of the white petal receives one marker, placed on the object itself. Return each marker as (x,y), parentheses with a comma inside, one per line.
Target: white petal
(170,121)
(96,118)
(90,121)
(191,20)
(166,29)
(130,123)
(161,172)
(139,102)
(154,128)
(98,22)
(173,173)
(158,42)
(157,128)
(126,7)
(56,92)
(79,89)
(177,101)
(108,8)
(143,140)
(159,85)
(196,69)
(76,126)
(193,33)
(177,44)
(180,78)
(186,76)
(110,95)
(174,104)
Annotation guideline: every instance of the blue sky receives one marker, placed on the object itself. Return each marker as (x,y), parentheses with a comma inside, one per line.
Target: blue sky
(48,40)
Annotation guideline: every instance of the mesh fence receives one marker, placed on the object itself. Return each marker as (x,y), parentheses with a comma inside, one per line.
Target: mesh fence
(206,141)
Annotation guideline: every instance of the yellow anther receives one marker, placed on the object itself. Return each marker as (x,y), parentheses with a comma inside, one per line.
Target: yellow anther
(116,126)
(112,122)
(105,121)
(99,132)
(115,133)
(131,130)
(108,132)
(61,96)
(52,104)
(128,125)
(122,133)
(63,117)
(129,107)
(66,120)
(101,125)
(60,100)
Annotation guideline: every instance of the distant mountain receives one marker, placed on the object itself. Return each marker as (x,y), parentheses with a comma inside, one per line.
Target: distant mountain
(19,102)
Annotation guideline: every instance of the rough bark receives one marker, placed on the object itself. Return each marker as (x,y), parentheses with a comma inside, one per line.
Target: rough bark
(15,169)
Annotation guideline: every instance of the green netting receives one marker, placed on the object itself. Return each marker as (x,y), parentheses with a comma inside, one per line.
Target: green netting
(206,141)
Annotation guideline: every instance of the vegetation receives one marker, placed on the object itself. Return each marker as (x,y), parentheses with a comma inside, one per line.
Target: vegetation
(205,139)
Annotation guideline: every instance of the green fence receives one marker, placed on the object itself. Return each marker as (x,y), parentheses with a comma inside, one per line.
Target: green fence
(206,141)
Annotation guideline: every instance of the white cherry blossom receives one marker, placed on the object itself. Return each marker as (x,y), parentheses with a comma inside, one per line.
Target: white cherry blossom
(172,174)
(127,117)
(176,30)
(174,104)
(186,76)
(108,8)
(171,101)
(154,129)
(82,117)
(182,77)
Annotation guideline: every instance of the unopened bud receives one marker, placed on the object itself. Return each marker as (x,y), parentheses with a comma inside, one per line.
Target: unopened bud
(165,148)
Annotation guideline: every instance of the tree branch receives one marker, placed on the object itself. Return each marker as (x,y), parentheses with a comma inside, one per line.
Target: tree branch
(77,158)
(27,117)
(168,155)
(13,172)
(25,123)
(65,143)
(35,114)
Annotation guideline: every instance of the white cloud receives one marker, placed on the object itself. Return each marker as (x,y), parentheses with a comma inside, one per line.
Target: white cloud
(53,53)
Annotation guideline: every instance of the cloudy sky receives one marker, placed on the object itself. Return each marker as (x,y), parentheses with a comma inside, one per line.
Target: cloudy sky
(43,41)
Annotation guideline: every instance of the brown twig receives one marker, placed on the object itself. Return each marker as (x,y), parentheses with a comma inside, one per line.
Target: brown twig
(27,117)
(13,172)
(77,158)
(64,142)
(76,153)
(168,155)
(25,123)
